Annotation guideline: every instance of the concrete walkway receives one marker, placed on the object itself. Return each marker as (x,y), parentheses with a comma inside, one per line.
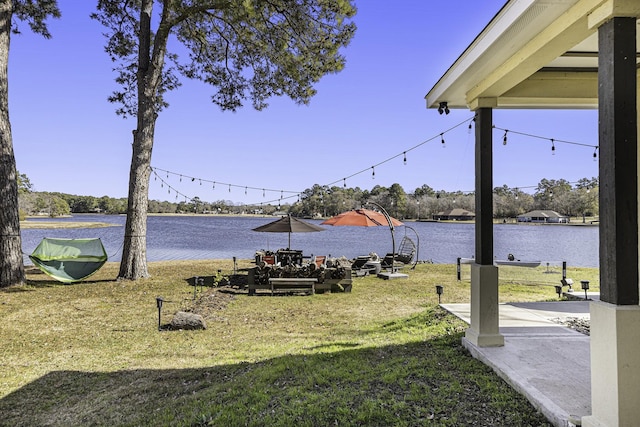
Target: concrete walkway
(541,359)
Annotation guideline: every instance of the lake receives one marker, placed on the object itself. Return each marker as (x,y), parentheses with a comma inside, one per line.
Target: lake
(218,237)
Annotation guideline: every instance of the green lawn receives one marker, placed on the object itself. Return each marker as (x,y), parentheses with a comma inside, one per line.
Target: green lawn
(384,354)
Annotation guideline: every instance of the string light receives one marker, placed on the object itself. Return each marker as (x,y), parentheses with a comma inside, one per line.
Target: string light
(373,172)
(402,153)
(344,182)
(553,148)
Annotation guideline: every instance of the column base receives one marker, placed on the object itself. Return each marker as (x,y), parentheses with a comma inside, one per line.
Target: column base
(615,365)
(485,317)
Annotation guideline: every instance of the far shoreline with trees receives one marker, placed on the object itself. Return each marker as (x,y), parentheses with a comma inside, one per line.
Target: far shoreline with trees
(579,199)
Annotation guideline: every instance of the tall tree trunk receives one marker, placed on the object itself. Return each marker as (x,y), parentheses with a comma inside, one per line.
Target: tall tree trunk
(11,264)
(133,265)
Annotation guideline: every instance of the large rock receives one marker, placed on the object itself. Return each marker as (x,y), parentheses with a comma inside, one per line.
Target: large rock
(187,321)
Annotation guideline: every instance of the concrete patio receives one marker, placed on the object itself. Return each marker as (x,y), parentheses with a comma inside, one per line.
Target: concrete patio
(545,361)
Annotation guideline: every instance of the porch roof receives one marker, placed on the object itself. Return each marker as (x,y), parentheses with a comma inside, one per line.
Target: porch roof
(533,54)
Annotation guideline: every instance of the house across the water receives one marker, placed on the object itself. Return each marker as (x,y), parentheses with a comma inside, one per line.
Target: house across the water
(543,216)
(456,214)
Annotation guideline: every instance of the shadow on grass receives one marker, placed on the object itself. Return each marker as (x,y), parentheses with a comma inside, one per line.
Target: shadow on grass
(432,382)
(43,281)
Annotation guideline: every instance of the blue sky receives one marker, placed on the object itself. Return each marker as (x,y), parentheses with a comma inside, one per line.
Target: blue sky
(67,137)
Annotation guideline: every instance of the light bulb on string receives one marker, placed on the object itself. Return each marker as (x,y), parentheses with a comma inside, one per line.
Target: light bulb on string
(213,186)
(245,191)
(193,179)
(229,188)
(263,193)
(553,148)
(405,157)
(504,138)
(344,182)
(180,178)
(373,172)
(442,140)
(200,182)
(281,194)
(595,154)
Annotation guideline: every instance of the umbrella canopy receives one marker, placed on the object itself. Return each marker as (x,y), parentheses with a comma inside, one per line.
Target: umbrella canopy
(361,218)
(288,224)
(367,218)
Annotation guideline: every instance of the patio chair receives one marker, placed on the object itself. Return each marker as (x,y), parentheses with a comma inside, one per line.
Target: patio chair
(320,260)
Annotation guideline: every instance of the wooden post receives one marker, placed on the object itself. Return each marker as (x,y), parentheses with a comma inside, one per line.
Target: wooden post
(618,162)
(484,186)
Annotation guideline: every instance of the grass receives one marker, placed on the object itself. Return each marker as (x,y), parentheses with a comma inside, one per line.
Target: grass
(384,354)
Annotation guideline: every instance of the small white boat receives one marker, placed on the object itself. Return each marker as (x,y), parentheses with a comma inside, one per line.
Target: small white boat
(516,263)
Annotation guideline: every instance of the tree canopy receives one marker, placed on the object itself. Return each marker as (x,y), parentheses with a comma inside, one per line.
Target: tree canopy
(245,50)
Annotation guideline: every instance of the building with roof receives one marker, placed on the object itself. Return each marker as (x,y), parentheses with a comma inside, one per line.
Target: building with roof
(455,214)
(556,54)
(544,217)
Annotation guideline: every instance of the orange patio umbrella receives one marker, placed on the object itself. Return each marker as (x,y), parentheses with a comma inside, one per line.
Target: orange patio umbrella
(368,218)
(361,218)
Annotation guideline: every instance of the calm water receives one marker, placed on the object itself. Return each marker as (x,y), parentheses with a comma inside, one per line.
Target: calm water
(213,237)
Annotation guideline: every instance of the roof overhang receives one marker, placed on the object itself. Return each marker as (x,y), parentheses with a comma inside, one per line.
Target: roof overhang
(533,54)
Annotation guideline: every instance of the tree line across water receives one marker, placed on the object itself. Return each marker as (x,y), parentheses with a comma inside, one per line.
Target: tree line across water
(571,199)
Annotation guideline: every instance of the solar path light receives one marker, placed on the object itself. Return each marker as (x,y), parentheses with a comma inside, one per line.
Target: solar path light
(585,287)
(159,301)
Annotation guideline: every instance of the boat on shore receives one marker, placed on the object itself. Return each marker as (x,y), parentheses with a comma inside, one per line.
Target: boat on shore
(503,262)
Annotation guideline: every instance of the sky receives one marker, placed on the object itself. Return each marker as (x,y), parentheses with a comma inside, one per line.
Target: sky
(67,137)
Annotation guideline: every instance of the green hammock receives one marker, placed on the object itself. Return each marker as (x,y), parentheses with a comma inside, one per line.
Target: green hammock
(69,260)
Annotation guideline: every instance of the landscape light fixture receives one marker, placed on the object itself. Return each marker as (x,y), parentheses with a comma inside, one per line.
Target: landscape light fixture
(439,290)
(585,286)
(159,301)
(559,291)
(443,108)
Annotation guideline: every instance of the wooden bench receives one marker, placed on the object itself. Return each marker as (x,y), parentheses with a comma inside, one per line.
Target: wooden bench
(293,284)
